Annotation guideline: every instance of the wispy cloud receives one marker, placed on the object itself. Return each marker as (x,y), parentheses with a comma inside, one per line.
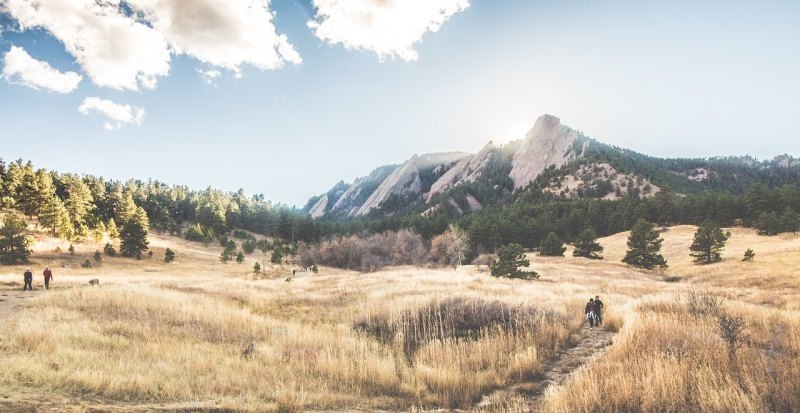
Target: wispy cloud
(387,27)
(119,115)
(19,67)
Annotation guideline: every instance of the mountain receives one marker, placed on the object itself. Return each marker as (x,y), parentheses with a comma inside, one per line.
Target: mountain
(552,158)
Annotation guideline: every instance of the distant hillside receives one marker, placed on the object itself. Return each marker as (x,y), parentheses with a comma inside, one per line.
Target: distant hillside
(552,158)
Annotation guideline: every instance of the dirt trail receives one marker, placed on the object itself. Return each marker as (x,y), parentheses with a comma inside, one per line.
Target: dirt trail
(590,344)
(11,297)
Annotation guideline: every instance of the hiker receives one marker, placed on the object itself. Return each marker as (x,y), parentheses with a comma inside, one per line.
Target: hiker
(598,310)
(48,275)
(28,277)
(590,315)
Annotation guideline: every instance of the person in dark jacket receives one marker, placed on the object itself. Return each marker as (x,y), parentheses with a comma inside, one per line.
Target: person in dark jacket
(589,311)
(598,309)
(28,277)
(48,275)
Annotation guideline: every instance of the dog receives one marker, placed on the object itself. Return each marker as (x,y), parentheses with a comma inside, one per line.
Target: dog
(94,281)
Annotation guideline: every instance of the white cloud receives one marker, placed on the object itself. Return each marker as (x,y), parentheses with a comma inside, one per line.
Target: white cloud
(210,76)
(387,27)
(224,34)
(128,46)
(119,115)
(113,49)
(20,67)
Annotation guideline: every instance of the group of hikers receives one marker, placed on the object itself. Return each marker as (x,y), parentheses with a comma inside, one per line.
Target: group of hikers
(594,312)
(28,278)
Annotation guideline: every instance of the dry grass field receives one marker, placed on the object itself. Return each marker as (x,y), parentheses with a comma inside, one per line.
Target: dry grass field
(199,335)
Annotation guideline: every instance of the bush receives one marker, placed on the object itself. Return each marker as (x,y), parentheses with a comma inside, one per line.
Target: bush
(366,253)
(198,234)
(456,318)
(86,264)
(98,258)
(169,256)
(109,250)
(749,254)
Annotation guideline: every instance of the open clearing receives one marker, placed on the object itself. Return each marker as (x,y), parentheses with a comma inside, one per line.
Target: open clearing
(157,336)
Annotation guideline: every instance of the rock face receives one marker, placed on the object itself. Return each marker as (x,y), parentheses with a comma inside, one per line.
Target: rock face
(548,143)
(468,169)
(405,180)
(318,209)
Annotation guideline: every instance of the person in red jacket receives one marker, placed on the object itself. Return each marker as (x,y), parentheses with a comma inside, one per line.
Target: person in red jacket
(48,275)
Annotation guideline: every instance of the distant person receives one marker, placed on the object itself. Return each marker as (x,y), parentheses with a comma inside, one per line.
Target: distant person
(598,310)
(590,315)
(28,277)
(48,275)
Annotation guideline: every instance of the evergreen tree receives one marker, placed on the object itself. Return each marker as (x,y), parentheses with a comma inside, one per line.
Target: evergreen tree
(709,241)
(644,246)
(769,223)
(228,252)
(98,258)
(552,246)
(791,221)
(14,244)
(239,257)
(109,250)
(587,246)
(256,268)
(52,216)
(509,260)
(111,227)
(98,232)
(749,254)
(29,199)
(133,237)
(277,255)
(169,256)
(71,249)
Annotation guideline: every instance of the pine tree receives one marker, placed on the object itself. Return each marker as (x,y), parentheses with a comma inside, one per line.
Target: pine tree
(169,256)
(587,246)
(111,227)
(109,250)
(769,223)
(133,237)
(749,254)
(239,257)
(552,246)
(256,268)
(51,213)
(71,249)
(29,200)
(791,221)
(644,246)
(228,252)
(98,258)
(709,241)
(99,231)
(277,255)
(14,244)
(509,260)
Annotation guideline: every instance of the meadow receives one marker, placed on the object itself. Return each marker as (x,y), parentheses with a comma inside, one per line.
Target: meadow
(198,334)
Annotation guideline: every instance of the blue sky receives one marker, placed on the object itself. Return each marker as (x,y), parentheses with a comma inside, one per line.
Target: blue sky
(665,78)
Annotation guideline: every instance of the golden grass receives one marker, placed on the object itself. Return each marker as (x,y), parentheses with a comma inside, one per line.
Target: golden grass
(173,334)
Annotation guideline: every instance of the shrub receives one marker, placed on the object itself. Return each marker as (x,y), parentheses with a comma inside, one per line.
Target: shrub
(86,264)
(366,253)
(109,250)
(455,318)
(731,329)
(169,256)
(749,254)
(98,258)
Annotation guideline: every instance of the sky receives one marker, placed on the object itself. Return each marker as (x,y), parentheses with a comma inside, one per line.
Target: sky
(287,97)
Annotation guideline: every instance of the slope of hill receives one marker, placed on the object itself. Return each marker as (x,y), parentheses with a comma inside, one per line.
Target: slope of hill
(553,158)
